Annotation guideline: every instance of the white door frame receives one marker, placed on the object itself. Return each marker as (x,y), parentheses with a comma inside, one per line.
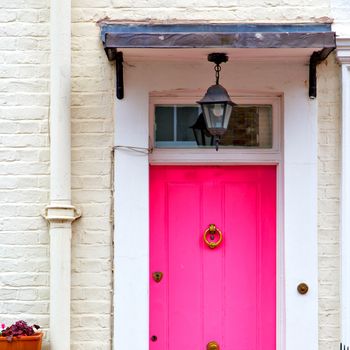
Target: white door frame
(297,200)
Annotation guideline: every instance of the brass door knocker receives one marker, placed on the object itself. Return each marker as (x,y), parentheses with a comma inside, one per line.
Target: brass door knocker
(213,345)
(212,231)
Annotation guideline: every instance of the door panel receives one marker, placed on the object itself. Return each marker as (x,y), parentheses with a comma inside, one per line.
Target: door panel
(226,294)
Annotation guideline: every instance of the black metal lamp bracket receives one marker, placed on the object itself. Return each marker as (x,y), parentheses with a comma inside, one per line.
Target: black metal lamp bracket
(316,58)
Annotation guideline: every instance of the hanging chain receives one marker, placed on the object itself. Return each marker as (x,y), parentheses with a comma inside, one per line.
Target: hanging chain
(217,69)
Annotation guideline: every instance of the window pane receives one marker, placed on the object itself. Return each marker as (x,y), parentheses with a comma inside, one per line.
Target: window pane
(164,119)
(265,127)
(250,126)
(186,117)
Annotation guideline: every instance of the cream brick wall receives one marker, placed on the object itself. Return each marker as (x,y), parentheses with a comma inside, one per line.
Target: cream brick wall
(24,154)
(92,140)
(328,203)
(24,160)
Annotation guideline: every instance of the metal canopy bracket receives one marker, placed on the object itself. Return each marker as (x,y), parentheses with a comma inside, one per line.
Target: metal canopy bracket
(130,35)
(114,55)
(119,75)
(316,58)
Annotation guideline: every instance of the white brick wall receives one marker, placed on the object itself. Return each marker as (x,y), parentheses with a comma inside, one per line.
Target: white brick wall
(24,161)
(340,11)
(328,203)
(201,10)
(24,170)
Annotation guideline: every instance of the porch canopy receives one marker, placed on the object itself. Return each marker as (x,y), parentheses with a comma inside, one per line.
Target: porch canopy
(309,42)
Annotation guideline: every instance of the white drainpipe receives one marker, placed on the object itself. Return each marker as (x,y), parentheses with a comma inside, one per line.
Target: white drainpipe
(60,213)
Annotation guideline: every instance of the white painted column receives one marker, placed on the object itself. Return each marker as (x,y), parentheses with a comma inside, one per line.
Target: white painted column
(60,213)
(343,55)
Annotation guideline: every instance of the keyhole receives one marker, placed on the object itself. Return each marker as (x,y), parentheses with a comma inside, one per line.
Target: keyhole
(154,338)
(212,237)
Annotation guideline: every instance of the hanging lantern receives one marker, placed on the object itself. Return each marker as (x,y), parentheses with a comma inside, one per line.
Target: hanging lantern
(216,103)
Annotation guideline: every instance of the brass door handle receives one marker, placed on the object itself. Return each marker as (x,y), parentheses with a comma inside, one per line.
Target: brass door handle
(213,345)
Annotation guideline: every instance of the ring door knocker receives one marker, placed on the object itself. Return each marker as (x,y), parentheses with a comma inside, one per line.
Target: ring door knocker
(212,231)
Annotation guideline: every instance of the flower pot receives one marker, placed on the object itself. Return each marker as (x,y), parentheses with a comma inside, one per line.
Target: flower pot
(30,342)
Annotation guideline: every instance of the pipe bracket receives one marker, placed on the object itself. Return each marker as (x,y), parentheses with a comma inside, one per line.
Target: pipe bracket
(64,213)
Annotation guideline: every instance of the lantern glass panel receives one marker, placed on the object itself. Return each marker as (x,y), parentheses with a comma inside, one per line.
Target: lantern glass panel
(214,115)
(202,138)
(227,115)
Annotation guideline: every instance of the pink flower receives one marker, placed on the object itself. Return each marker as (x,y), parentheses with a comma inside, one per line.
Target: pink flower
(3,325)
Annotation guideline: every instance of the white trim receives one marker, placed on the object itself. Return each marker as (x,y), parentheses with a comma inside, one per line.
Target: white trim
(299,329)
(345,206)
(343,50)
(189,156)
(343,55)
(280,262)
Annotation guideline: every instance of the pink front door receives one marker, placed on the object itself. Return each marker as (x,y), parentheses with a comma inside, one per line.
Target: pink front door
(226,294)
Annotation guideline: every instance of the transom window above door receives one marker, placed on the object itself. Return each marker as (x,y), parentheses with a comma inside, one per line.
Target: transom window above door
(183,126)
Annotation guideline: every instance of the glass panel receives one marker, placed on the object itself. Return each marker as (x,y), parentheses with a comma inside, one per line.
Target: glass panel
(250,126)
(186,117)
(215,113)
(265,127)
(228,112)
(164,123)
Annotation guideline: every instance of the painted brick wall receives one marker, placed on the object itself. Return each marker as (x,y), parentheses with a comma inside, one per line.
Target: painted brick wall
(24,175)
(328,203)
(92,140)
(340,11)
(93,95)
(24,160)
(198,10)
